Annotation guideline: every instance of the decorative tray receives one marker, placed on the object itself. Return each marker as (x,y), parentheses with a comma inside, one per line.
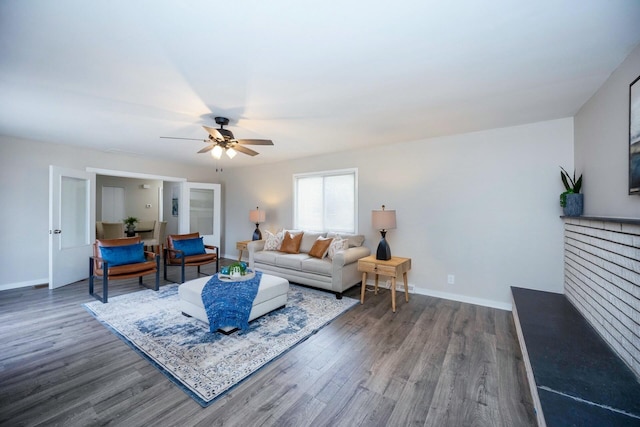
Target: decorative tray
(228,278)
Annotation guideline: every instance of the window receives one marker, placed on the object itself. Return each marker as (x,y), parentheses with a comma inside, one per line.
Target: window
(326,201)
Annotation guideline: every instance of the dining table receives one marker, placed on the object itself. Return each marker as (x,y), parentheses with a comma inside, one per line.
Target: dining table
(138,230)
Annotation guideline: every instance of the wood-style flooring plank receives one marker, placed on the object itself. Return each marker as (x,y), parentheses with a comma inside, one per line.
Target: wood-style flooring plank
(415,400)
(434,362)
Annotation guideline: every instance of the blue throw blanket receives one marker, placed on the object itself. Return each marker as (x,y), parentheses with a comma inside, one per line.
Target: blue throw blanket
(229,303)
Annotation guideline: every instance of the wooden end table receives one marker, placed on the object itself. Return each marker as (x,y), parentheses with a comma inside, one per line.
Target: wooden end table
(394,268)
(242,246)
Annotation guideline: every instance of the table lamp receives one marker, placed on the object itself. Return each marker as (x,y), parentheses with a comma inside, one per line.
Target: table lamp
(257,216)
(383,220)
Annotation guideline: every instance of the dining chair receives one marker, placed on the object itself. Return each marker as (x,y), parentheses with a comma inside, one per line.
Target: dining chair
(99,230)
(157,241)
(113,230)
(145,225)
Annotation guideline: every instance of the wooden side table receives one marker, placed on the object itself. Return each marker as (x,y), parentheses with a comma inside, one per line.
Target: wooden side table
(394,268)
(242,246)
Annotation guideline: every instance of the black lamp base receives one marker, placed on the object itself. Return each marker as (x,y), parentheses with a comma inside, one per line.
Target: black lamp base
(257,234)
(384,251)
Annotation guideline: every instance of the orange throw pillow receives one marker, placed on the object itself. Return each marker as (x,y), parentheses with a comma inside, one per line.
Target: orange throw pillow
(291,244)
(320,247)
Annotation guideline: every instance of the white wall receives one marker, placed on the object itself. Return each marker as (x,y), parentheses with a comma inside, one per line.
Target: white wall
(24,191)
(482,206)
(602,145)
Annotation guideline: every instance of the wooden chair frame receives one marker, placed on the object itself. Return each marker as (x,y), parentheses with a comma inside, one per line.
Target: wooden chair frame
(170,253)
(97,264)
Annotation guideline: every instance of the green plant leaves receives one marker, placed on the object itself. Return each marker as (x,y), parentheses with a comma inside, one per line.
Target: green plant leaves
(565,179)
(570,184)
(578,186)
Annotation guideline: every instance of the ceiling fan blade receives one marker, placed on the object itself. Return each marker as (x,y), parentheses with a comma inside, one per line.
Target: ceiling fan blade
(255,141)
(213,132)
(207,148)
(245,150)
(190,139)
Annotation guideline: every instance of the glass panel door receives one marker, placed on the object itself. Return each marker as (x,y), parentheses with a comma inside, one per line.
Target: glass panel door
(199,211)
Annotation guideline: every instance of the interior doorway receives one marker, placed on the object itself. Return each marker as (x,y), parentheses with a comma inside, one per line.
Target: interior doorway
(185,206)
(174,201)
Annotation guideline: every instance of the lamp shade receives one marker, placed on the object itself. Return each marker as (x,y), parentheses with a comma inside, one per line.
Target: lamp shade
(257,216)
(383,220)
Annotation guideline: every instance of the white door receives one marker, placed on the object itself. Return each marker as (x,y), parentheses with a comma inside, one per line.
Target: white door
(199,211)
(72,217)
(113,204)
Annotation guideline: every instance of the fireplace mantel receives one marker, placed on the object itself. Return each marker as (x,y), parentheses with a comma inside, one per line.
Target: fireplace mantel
(605,219)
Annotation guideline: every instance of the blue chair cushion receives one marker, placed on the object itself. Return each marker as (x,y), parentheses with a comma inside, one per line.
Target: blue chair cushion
(193,246)
(122,255)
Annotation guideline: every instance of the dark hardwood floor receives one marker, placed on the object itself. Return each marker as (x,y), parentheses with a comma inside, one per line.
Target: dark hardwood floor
(433,363)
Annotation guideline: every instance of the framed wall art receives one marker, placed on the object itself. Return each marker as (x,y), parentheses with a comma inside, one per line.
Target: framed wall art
(634,137)
(175,191)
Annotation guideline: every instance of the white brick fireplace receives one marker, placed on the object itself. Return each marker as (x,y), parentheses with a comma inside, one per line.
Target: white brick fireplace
(602,279)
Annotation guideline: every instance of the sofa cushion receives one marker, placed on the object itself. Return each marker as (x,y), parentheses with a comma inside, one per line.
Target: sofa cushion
(317,266)
(189,246)
(293,261)
(266,257)
(290,243)
(354,240)
(308,240)
(122,255)
(320,247)
(273,241)
(336,246)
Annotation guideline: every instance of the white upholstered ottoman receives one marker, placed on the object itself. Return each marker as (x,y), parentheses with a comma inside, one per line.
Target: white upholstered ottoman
(272,294)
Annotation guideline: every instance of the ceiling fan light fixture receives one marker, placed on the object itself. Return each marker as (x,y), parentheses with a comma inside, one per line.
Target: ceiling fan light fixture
(225,133)
(216,153)
(222,140)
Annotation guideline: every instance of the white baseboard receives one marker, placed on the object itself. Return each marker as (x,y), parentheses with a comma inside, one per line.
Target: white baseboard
(26,284)
(445,295)
(463,298)
(399,285)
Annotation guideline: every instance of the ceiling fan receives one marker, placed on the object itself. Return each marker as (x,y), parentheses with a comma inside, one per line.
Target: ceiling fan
(222,141)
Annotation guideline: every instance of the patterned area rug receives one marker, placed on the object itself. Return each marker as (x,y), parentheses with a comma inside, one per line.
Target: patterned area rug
(206,365)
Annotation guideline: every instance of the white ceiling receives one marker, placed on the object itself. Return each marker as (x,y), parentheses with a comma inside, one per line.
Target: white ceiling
(314,77)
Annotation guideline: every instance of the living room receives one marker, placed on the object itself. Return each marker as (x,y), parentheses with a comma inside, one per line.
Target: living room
(481,205)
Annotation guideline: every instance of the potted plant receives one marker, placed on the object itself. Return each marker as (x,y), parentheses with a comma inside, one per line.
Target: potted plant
(130,223)
(571,200)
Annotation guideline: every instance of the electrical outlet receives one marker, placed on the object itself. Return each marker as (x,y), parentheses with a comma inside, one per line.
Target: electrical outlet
(451,279)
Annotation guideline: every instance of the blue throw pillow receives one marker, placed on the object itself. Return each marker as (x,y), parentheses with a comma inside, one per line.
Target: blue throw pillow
(193,246)
(121,255)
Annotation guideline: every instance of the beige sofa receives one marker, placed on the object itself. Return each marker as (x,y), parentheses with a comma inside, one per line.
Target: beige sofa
(335,275)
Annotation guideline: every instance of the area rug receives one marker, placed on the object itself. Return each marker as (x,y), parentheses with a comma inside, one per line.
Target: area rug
(204,364)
